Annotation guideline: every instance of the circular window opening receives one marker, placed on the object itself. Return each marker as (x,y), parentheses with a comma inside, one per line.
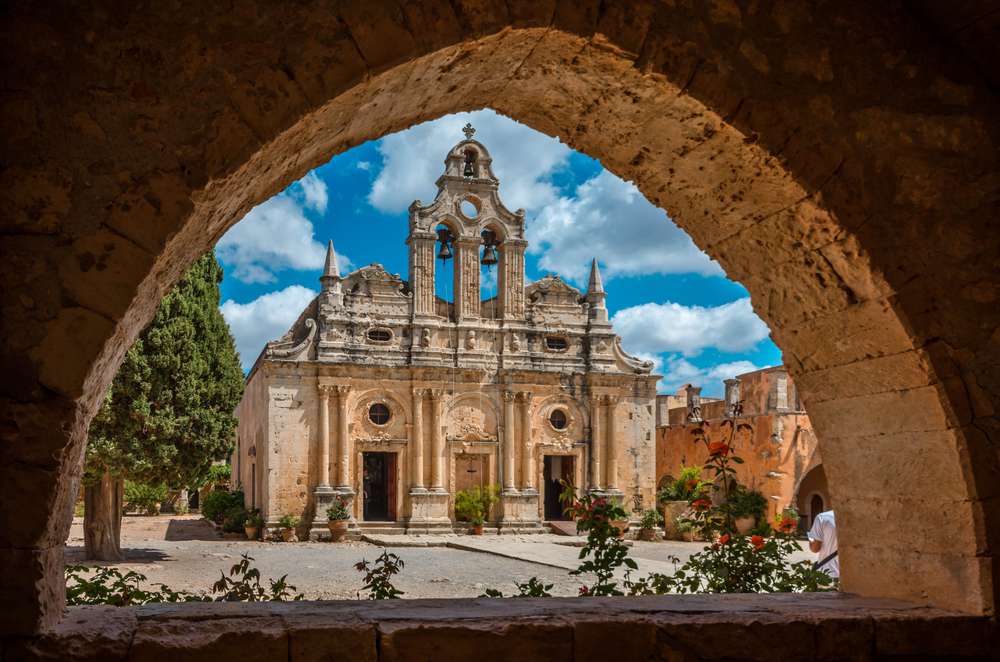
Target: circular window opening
(469,208)
(378,414)
(558,419)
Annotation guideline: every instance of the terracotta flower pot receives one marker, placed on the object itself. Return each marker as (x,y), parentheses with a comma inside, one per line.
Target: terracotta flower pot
(688,536)
(744,524)
(251,532)
(648,535)
(621,525)
(671,511)
(288,535)
(477,529)
(338,529)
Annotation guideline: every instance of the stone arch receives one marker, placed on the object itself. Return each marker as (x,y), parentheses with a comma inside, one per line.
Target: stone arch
(849,199)
(397,405)
(577,415)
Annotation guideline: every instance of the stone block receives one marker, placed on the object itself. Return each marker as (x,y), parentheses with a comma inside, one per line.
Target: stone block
(469,640)
(262,638)
(85,634)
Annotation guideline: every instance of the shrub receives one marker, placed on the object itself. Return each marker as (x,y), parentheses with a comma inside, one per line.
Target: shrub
(181,507)
(243,585)
(218,474)
(685,488)
(216,504)
(378,576)
(747,503)
(594,516)
(533,588)
(288,522)
(234,519)
(474,504)
(254,518)
(143,497)
(650,519)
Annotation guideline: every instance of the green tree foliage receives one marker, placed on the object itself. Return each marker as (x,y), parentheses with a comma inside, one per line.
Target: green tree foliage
(169,412)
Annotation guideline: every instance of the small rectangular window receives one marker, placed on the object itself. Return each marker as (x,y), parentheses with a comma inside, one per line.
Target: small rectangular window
(380,335)
(556,343)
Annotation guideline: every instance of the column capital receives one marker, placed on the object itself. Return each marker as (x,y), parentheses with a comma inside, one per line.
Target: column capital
(612,399)
(324,390)
(508,396)
(526,396)
(342,389)
(596,398)
(435,393)
(418,393)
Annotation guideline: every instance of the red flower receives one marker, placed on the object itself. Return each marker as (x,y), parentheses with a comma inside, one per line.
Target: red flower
(691,484)
(724,538)
(787,524)
(757,541)
(718,448)
(584,591)
(701,504)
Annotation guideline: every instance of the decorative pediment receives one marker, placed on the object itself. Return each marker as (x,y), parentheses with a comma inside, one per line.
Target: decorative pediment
(552,290)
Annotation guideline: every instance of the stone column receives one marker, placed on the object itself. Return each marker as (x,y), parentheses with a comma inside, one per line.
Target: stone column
(422,271)
(511,280)
(437,441)
(417,442)
(467,294)
(527,447)
(509,486)
(324,439)
(343,439)
(611,440)
(596,441)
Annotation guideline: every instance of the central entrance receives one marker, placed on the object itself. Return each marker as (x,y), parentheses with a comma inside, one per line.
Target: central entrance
(557,468)
(379,485)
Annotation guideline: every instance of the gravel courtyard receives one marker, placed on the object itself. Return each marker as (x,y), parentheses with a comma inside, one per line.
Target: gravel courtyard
(186,553)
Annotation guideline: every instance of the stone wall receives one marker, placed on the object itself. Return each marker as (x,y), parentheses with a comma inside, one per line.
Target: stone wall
(838,160)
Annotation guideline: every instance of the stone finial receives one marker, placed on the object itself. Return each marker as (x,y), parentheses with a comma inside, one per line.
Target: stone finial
(331,271)
(595,285)
(468,131)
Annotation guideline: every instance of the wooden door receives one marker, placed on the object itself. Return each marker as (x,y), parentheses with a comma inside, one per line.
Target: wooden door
(470,471)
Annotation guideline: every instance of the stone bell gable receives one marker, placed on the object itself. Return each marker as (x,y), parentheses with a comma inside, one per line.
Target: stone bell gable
(396,398)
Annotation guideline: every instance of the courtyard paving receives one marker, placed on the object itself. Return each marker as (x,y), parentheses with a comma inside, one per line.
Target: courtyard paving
(187,553)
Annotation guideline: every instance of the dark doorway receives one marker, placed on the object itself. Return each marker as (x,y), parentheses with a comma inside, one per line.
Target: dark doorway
(557,468)
(815,508)
(379,487)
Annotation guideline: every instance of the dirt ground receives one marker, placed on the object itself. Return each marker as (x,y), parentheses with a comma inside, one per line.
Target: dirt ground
(186,553)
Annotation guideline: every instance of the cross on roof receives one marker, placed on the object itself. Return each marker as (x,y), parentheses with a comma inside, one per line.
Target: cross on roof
(468,131)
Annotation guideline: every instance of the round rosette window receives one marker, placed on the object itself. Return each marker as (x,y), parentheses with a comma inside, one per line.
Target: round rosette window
(379,414)
(558,419)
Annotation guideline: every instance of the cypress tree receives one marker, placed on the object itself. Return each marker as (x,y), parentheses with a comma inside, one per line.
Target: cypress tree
(169,412)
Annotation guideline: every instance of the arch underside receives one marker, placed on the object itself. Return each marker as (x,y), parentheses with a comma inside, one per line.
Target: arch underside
(850,200)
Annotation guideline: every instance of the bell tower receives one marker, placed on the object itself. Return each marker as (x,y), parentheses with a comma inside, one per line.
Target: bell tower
(467,222)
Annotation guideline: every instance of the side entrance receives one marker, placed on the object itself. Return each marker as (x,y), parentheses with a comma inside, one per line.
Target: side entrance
(379,485)
(557,468)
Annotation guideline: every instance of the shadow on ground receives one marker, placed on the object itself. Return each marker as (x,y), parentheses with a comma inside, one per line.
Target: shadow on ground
(77,554)
(190,529)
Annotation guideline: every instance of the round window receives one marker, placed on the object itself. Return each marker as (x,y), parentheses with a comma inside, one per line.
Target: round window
(378,414)
(469,208)
(558,419)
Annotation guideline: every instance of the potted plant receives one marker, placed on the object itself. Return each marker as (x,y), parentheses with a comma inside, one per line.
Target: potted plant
(647,525)
(253,523)
(675,496)
(787,520)
(474,505)
(337,518)
(685,529)
(287,525)
(747,507)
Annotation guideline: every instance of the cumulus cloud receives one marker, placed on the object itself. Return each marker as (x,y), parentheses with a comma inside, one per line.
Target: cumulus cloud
(277,234)
(265,318)
(364,165)
(657,328)
(678,371)
(523,160)
(623,230)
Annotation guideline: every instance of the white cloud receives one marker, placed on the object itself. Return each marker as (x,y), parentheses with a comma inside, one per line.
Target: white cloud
(364,165)
(523,160)
(678,371)
(265,318)
(278,235)
(314,192)
(611,220)
(656,328)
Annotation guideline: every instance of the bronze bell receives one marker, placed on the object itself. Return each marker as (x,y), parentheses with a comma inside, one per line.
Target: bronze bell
(469,169)
(444,236)
(489,255)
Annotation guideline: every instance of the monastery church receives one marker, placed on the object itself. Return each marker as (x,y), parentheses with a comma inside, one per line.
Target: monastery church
(396,398)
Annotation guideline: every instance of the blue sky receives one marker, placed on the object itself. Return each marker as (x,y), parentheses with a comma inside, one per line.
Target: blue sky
(668,301)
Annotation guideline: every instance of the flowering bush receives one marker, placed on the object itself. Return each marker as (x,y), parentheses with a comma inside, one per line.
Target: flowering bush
(594,516)
(737,563)
(338,510)
(685,488)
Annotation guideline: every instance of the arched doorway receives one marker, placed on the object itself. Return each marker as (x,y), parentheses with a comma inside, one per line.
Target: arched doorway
(850,199)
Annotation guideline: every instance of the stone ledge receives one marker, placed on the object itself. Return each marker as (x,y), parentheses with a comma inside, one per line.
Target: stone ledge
(757,627)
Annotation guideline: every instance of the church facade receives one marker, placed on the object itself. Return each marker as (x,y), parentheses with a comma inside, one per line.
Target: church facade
(396,398)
